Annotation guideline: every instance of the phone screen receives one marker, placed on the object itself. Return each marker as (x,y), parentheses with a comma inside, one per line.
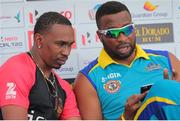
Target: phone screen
(145,88)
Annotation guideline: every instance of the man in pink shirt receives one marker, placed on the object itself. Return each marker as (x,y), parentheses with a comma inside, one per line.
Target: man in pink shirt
(29,88)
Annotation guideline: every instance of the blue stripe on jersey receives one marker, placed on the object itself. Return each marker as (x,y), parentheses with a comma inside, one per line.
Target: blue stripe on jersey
(88,68)
(146,114)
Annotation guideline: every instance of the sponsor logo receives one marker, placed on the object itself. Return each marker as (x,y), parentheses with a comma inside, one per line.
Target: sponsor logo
(10,41)
(112,86)
(5,17)
(149,6)
(11,19)
(92,12)
(154,33)
(9,38)
(152,11)
(68,14)
(11,45)
(33,17)
(17,17)
(86,38)
(111,76)
(66,69)
(30,39)
(152,66)
(31,20)
(89,38)
(10,93)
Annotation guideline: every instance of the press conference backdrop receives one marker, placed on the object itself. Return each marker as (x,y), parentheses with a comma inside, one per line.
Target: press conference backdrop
(157,27)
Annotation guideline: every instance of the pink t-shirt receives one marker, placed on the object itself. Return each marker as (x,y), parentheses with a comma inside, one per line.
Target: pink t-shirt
(17,77)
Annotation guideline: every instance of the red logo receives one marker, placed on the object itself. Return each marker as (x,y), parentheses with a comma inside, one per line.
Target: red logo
(30,39)
(67,14)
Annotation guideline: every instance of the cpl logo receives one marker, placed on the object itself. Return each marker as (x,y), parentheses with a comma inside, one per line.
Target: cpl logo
(67,14)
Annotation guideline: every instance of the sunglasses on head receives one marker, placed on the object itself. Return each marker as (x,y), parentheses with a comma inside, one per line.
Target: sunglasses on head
(115,32)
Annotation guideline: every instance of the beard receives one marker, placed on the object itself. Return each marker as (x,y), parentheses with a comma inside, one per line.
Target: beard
(118,55)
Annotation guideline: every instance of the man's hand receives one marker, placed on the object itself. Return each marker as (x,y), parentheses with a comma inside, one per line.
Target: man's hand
(166,74)
(132,105)
(175,64)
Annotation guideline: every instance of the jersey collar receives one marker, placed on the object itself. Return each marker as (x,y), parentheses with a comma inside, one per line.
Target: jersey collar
(104,59)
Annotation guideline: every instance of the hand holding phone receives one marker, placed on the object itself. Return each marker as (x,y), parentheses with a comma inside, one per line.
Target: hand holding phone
(145,88)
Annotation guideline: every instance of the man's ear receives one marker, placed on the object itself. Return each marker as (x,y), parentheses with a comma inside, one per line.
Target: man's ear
(38,40)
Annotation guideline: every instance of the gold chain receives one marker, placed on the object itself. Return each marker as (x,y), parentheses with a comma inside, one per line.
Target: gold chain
(58,101)
(44,75)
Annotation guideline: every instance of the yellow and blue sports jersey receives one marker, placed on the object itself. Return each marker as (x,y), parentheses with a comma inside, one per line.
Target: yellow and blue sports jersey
(162,102)
(115,82)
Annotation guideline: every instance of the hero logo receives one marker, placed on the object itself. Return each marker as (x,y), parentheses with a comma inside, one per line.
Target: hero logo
(11,93)
(67,14)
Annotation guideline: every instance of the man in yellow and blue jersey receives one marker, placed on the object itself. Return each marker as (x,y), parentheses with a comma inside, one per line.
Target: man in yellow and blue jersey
(109,87)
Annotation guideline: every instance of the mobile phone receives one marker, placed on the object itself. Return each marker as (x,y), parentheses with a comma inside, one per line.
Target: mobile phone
(145,88)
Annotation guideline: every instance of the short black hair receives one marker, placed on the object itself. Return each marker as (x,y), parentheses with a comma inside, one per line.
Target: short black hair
(110,7)
(46,20)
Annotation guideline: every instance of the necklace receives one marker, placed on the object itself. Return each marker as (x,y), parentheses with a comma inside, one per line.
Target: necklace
(52,88)
(52,83)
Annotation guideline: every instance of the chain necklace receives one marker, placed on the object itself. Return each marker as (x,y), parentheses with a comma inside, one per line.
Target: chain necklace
(52,82)
(53,92)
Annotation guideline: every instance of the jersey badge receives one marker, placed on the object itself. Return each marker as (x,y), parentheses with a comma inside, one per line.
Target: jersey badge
(112,86)
(152,66)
